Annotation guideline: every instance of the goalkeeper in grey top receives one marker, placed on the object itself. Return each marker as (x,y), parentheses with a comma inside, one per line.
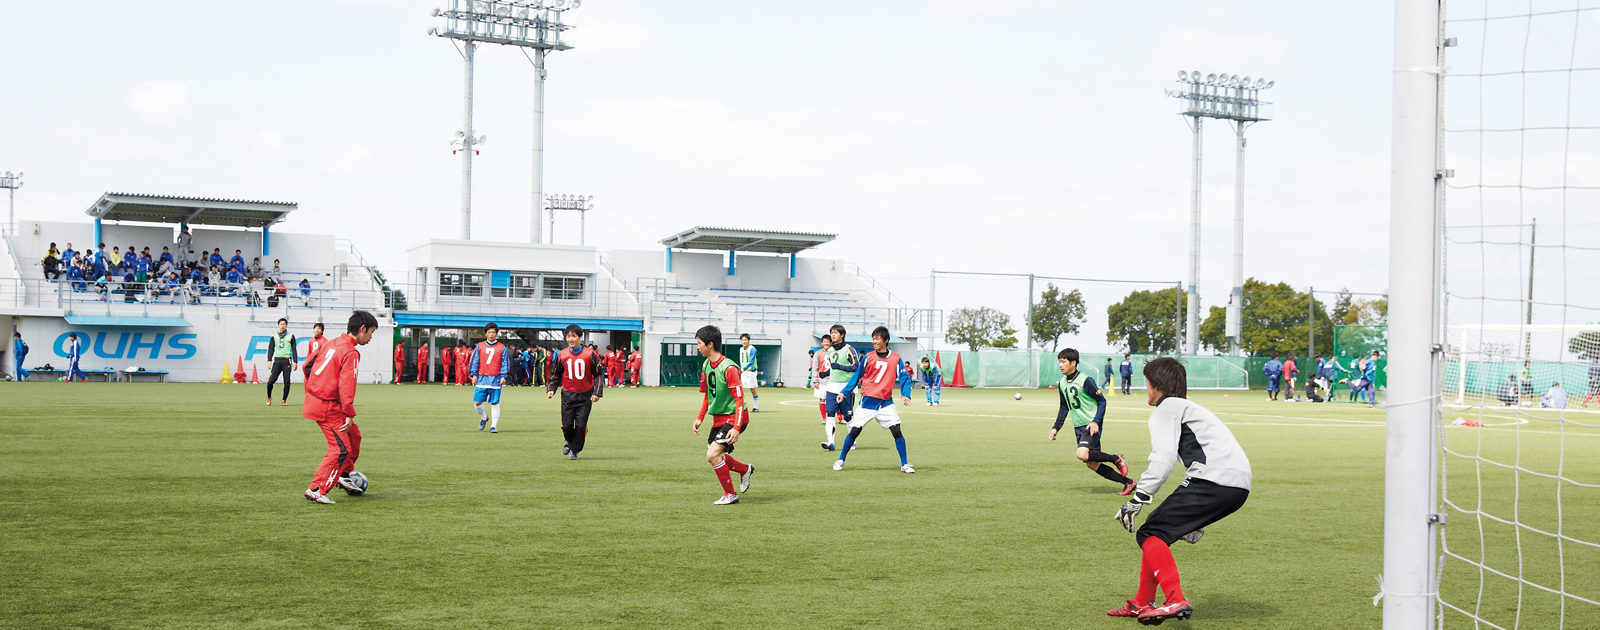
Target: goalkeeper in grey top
(1216,484)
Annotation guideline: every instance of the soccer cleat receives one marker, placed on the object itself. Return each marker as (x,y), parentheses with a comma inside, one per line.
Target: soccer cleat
(285,402)
(1122,465)
(269,402)
(838,464)
(317,497)
(482,424)
(744,478)
(1194,536)
(1128,489)
(566,449)
(349,486)
(907,469)
(930,404)
(727,499)
(494,429)
(571,455)
(827,446)
(1179,610)
(1130,610)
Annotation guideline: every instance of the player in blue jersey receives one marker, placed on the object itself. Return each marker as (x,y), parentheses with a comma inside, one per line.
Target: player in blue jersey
(488,366)
(878,374)
(932,381)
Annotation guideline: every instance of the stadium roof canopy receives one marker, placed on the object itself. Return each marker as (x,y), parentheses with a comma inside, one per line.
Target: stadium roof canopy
(190,210)
(765,241)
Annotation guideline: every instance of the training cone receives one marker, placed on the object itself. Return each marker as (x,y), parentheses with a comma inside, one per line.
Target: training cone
(958,380)
(936,360)
(238,372)
(254,376)
(226,378)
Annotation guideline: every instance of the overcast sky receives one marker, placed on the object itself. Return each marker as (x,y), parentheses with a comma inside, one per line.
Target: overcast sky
(983,135)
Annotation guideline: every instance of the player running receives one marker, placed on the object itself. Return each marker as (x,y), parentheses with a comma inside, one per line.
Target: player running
(1078,394)
(488,366)
(331,403)
(748,371)
(280,351)
(1216,484)
(577,373)
(880,371)
(932,381)
(720,383)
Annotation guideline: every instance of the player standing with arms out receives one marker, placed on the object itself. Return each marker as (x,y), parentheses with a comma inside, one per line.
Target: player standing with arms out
(399,361)
(576,371)
(932,381)
(880,371)
(720,382)
(841,366)
(747,371)
(1216,484)
(488,366)
(280,351)
(422,363)
(313,345)
(331,403)
(1078,395)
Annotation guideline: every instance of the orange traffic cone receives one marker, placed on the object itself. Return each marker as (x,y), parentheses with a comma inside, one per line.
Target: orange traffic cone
(255,378)
(238,372)
(958,380)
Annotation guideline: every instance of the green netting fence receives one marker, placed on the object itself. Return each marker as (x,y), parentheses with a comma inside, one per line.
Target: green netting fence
(1039,368)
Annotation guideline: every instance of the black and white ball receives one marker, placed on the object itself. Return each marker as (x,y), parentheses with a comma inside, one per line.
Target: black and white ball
(358,484)
(1018,396)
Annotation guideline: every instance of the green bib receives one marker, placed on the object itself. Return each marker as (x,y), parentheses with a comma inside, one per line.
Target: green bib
(717,389)
(843,355)
(283,346)
(1080,405)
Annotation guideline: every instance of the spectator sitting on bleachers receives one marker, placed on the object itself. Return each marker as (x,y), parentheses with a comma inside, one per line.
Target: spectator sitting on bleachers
(305,292)
(130,287)
(141,267)
(165,267)
(275,276)
(214,280)
(166,257)
(173,286)
(216,258)
(51,264)
(128,256)
(68,255)
(254,273)
(235,281)
(75,276)
(237,262)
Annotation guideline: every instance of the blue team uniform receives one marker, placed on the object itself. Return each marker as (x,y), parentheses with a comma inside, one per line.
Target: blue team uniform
(1274,371)
(932,382)
(488,367)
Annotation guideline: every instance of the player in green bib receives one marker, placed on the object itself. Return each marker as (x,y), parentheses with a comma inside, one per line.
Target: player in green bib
(842,362)
(724,400)
(281,354)
(1083,402)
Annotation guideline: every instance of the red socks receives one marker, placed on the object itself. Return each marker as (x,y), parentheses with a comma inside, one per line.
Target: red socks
(1158,567)
(722,476)
(823,407)
(735,465)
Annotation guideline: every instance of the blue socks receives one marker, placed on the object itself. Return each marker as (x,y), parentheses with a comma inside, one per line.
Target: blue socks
(900,445)
(849,441)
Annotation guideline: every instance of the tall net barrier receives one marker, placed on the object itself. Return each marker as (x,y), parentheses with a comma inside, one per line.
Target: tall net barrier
(1040,368)
(1518,432)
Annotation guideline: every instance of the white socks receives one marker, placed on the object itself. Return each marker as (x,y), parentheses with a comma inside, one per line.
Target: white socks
(495,414)
(481,414)
(827,429)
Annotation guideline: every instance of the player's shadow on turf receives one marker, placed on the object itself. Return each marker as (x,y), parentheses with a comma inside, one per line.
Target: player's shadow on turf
(761,499)
(1104,490)
(605,459)
(1232,608)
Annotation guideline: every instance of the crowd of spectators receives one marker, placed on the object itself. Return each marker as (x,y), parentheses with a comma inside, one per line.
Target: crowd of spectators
(530,364)
(140,275)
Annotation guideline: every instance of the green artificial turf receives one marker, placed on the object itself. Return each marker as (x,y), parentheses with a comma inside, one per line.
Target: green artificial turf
(179,506)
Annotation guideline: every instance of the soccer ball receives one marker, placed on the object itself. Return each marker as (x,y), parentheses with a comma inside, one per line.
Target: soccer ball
(360,482)
(1018,396)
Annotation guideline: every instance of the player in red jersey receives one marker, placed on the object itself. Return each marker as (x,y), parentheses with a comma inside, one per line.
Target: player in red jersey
(635,366)
(422,364)
(331,403)
(877,375)
(399,361)
(313,345)
(720,382)
(447,364)
(577,372)
(488,366)
(463,355)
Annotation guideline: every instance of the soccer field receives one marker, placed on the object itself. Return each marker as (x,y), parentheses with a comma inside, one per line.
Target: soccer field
(179,506)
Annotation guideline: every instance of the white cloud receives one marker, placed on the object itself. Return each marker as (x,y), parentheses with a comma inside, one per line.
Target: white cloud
(960,8)
(158,103)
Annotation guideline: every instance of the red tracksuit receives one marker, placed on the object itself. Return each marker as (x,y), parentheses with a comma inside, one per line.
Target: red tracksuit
(422,363)
(330,399)
(447,361)
(463,354)
(315,345)
(399,361)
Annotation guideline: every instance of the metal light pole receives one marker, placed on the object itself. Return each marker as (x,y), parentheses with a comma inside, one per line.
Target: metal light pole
(534,24)
(577,203)
(1228,98)
(11,182)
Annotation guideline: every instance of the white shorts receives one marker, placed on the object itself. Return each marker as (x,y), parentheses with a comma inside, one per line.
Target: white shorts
(835,388)
(748,380)
(820,392)
(887,416)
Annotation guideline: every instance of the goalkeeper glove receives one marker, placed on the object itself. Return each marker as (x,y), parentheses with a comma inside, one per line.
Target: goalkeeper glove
(1129,510)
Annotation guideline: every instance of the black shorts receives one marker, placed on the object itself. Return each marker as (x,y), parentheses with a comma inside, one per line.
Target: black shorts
(719,435)
(1091,442)
(1195,504)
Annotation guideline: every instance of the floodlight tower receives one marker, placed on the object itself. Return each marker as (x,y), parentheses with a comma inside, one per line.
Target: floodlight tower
(11,182)
(527,24)
(1228,98)
(577,203)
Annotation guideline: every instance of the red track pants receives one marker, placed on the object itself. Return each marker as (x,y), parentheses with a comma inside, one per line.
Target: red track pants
(343,447)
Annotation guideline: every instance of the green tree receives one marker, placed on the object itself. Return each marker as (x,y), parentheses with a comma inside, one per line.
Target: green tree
(1057,314)
(1214,330)
(1585,344)
(981,327)
(1146,321)
(1275,320)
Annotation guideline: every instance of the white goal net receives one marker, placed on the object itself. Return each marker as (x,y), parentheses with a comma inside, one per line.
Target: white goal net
(1519,430)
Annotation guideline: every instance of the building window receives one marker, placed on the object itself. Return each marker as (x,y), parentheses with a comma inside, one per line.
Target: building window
(563,287)
(460,283)
(525,285)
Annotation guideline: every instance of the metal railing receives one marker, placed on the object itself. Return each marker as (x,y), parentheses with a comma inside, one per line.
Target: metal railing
(875,285)
(524,301)
(156,299)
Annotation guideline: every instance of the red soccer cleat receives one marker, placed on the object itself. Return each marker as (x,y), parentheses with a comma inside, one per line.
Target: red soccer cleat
(1122,465)
(1130,610)
(1179,610)
(1128,489)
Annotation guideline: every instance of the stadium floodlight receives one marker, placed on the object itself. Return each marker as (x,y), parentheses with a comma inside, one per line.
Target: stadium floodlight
(577,203)
(11,182)
(1238,100)
(534,25)
(1183,76)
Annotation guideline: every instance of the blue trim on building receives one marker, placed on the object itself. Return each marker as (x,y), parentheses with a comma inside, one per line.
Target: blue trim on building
(266,241)
(112,320)
(415,319)
(792,264)
(733,256)
(669,260)
(97,239)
